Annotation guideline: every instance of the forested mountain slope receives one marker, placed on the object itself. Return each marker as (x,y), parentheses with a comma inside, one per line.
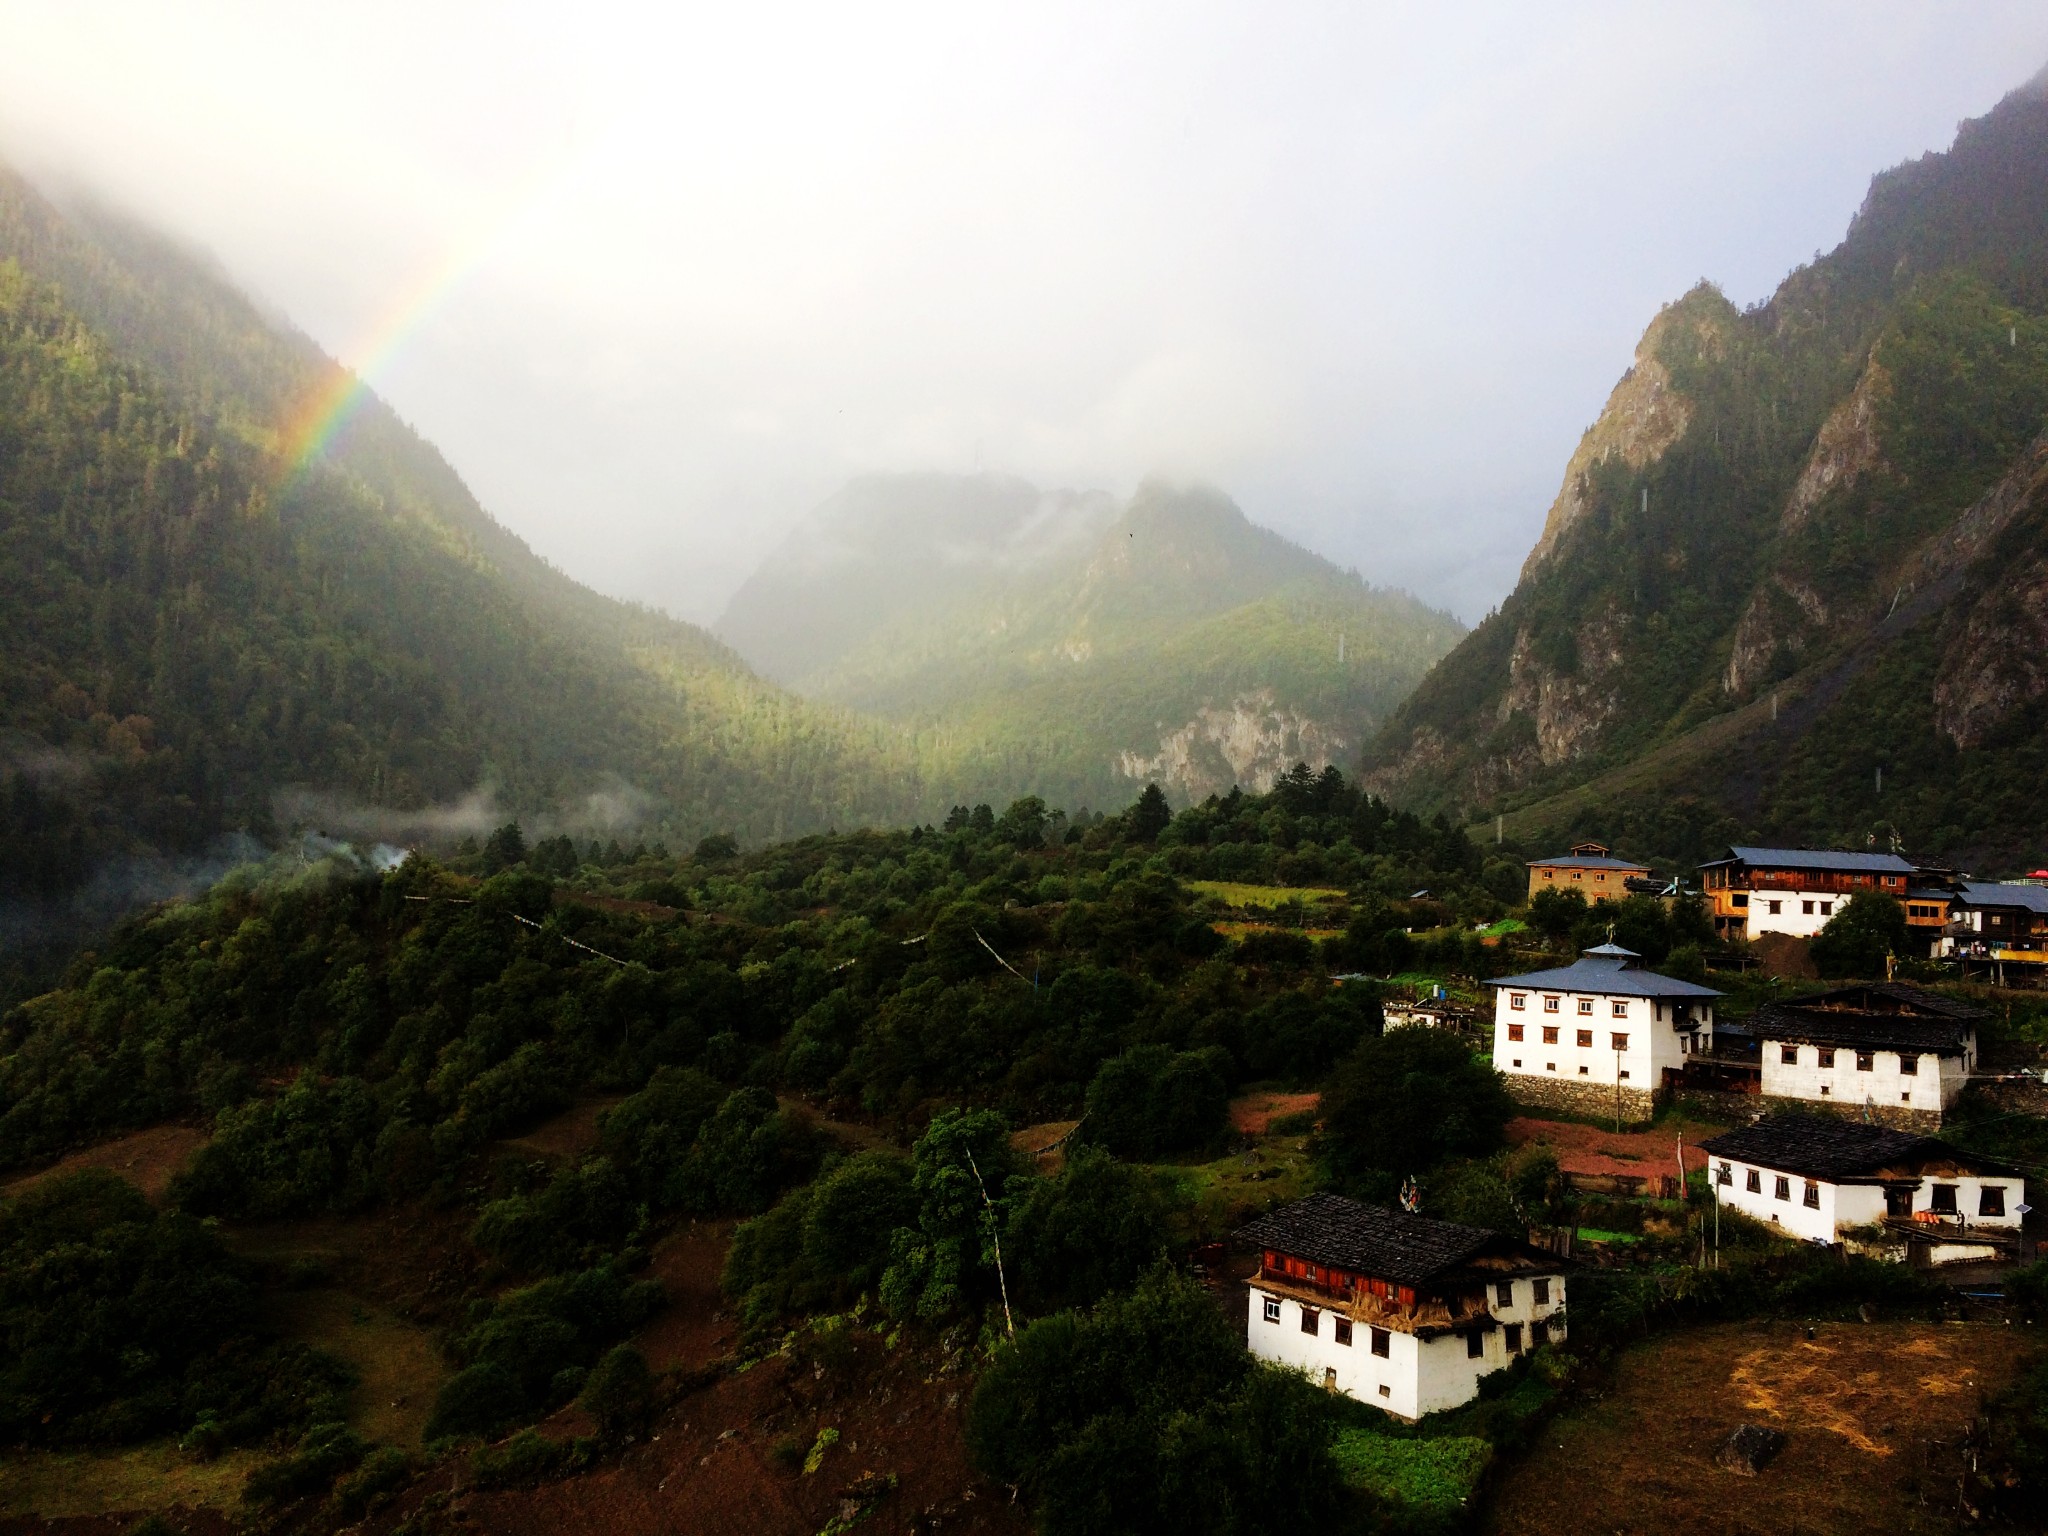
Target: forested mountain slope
(1795,583)
(193,624)
(1074,646)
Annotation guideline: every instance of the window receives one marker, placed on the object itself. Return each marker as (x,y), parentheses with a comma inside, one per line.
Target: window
(1585,1071)
(1753,1181)
(1538,1332)
(1550,1005)
(1784,1188)
(1943,1200)
(1518,1061)
(1725,1175)
(1518,1001)
(1827,1057)
(1543,1292)
(1906,1097)
(1514,1031)
(1621,1010)
(1827,909)
(1774,906)
(1585,1005)
(1311,1320)
(1343,1325)
(1812,1197)
(1909,1066)
(1739,901)
(1475,1345)
(1866,1060)
(1826,1091)
(1514,1336)
(1550,1066)
(1550,1034)
(1991,1200)
(1806,909)
(1272,1309)
(1385,1390)
(1585,1039)
(1624,1074)
(1381,1342)
(1504,1293)
(1788,1055)
(1619,1040)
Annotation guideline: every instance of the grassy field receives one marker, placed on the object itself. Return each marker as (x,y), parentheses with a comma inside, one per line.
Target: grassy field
(1233,894)
(399,1367)
(1227,1191)
(1871,1413)
(71,1484)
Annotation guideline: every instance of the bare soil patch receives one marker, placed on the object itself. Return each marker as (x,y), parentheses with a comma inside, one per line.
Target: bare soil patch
(409,1260)
(712,1466)
(1254,1113)
(1868,1411)
(694,1329)
(1637,1154)
(146,1159)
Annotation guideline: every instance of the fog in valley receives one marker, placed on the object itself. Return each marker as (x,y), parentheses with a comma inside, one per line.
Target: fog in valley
(659,281)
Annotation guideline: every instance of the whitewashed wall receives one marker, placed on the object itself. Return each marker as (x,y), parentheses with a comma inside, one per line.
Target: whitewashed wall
(1653,1042)
(1845,1206)
(1418,1376)
(1935,1086)
(1802,914)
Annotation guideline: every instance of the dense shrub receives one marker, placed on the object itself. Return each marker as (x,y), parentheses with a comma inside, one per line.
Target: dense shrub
(1407,1103)
(1093,1229)
(1147,1415)
(1150,1101)
(1866,929)
(118,1322)
(520,1352)
(619,1395)
(581,1213)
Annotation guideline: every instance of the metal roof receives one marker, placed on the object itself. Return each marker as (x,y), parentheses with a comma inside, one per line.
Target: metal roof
(1373,1240)
(1815,858)
(1988,893)
(1588,861)
(1606,971)
(1818,1147)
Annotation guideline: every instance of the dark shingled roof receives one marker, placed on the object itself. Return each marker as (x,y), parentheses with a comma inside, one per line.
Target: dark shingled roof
(1817,1147)
(1815,858)
(1371,1239)
(1586,861)
(1877,1015)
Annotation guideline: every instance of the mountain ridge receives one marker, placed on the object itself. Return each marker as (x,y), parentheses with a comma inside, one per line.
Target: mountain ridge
(1760,500)
(1167,636)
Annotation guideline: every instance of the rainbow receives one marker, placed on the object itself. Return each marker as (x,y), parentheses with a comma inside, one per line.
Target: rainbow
(328,407)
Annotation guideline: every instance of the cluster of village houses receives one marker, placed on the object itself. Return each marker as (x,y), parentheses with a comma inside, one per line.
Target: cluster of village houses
(1410,1313)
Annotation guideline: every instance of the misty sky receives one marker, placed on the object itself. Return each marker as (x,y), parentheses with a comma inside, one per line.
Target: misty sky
(658,279)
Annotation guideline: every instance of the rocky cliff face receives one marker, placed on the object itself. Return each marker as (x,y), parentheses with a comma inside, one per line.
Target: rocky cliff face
(1249,742)
(1836,498)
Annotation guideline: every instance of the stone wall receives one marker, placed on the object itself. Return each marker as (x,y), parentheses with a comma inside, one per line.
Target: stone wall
(1898,1117)
(1594,1100)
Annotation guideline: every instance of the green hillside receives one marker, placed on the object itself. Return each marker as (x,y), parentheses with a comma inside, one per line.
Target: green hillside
(1803,546)
(1076,648)
(200,644)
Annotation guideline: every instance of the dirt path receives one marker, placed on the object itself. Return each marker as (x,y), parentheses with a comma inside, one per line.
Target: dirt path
(1860,1405)
(695,1328)
(147,1159)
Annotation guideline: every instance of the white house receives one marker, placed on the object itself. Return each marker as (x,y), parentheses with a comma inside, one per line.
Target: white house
(1819,1178)
(1883,1051)
(1596,1036)
(1753,891)
(1394,1309)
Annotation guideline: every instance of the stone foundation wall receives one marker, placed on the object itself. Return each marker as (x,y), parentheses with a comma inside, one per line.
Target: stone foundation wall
(1594,1100)
(1897,1117)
